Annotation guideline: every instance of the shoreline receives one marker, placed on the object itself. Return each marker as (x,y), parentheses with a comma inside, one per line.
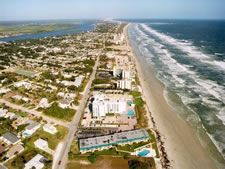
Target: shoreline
(182,145)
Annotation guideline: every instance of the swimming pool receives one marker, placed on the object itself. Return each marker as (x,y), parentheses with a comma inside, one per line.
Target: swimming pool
(26,134)
(143,153)
(130,113)
(129,103)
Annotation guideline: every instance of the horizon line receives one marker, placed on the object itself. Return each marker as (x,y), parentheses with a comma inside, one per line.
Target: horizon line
(15,20)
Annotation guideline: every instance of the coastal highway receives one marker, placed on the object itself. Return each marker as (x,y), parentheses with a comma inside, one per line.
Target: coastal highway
(74,124)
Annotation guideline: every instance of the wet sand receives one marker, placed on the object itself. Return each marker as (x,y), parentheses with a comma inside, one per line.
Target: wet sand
(182,145)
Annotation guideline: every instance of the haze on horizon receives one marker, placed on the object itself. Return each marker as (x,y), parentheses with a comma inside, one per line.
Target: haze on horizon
(100,9)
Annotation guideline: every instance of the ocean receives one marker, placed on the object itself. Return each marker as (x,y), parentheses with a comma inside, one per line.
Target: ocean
(81,26)
(189,58)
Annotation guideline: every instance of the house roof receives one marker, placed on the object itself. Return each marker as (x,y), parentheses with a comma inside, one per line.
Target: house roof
(64,101)
(10,137)
(32,125)
(49,127)
(2,148)
(35,162)
(14,149)
(41,143)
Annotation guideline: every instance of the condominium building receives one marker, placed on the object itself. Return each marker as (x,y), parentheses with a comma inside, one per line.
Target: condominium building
(103,104)
(125,74)
(124,84)
(107,141)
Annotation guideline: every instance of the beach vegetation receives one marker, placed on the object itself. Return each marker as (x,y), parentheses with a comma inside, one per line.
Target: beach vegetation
(132,147)
(92,157)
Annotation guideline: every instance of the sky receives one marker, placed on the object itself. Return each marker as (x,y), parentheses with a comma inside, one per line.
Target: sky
(101,9)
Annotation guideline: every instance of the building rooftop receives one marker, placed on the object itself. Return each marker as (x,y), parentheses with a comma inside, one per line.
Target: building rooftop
(64,101)
(14,149)
(41,143)
(102,141)
(2,149)
(32,125)
(35,162)
(10,137)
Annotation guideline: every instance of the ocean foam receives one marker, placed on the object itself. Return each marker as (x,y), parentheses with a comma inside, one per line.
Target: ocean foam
(186,47)
(220,63)
(221,115)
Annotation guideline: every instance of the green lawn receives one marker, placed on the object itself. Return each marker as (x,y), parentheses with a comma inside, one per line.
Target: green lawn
(111,151)
(74,149)
(60,113)
(30,150)
(53,140)
(135,94)
(131,147)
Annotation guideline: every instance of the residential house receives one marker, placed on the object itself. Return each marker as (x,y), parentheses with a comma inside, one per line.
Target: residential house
(37,162)
(23,83)
(41,144)
(3,112)
(49,128)
(64,103)
(2,149)
(32,127)
(44,103)
(78,81)
(10,138)
(16,149)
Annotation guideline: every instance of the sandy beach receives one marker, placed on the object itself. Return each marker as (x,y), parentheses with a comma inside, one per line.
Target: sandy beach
(182,145)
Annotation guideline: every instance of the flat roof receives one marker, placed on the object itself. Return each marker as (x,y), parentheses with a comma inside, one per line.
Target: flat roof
(112,139)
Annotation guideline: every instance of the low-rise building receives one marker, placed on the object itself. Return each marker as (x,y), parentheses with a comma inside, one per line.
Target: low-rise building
(27,85)
(2,149)
(37,162)
(49,128)
(31,128)
(107,141)
(78,81)
(16,149)
(10,138)
(44,103)
(64,103)
(41,144)
(3,112)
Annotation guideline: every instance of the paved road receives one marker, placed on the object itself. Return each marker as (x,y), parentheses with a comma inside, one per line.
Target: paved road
(74,124)
(36,113)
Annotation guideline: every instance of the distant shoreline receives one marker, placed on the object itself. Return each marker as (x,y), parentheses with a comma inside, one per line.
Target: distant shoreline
(60,31)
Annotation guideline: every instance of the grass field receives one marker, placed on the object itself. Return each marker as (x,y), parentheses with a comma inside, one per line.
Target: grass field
(60,113)
(53,140)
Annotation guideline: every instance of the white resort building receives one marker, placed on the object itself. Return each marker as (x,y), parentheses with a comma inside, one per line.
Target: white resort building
(124,84)
(103,105)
